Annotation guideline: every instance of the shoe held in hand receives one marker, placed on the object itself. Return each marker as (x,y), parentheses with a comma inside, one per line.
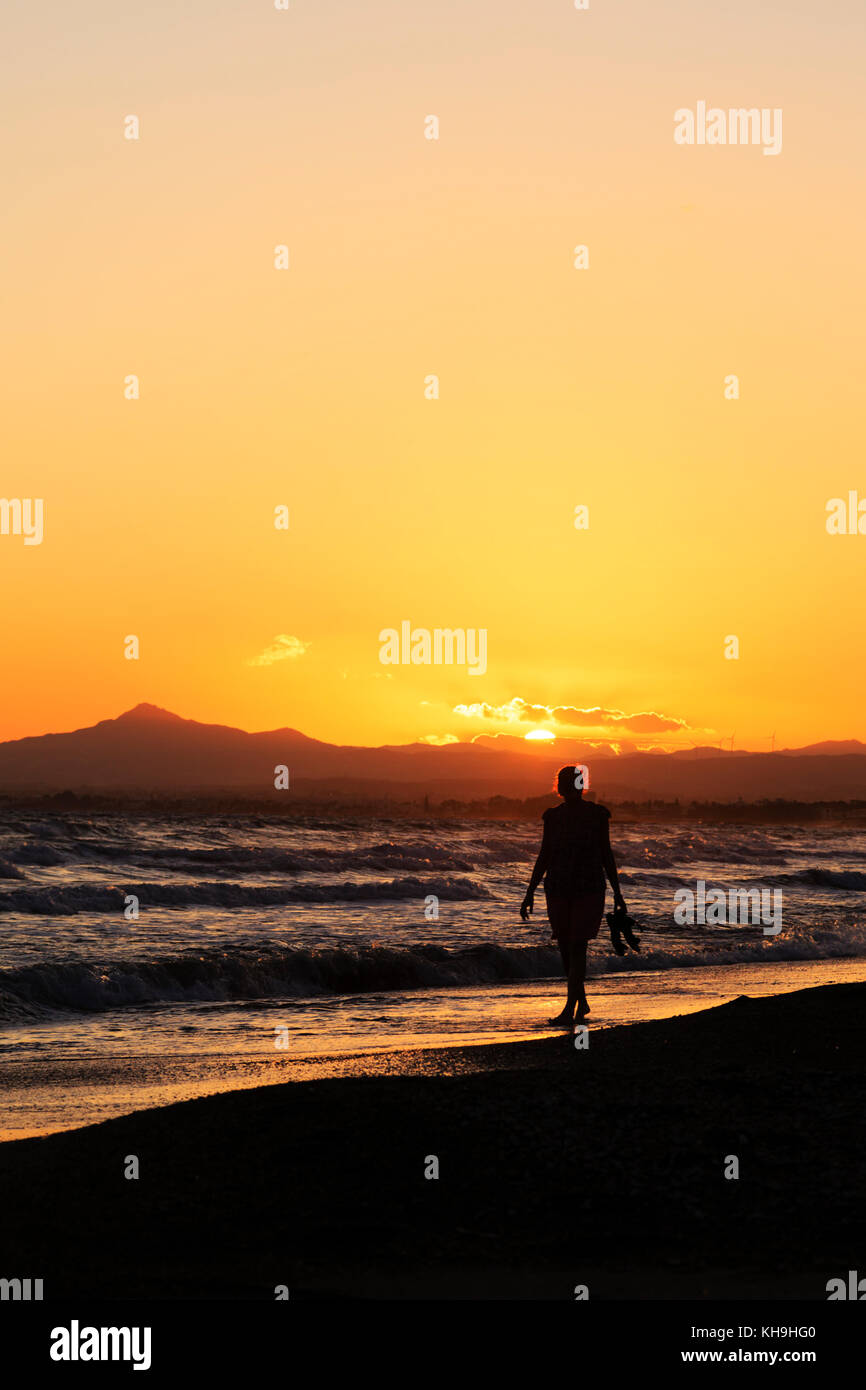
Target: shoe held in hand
(621,925)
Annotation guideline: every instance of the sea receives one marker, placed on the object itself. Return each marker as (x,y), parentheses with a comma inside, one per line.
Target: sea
(151,958)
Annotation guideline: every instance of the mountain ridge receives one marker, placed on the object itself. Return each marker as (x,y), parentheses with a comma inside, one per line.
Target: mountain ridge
(148,748)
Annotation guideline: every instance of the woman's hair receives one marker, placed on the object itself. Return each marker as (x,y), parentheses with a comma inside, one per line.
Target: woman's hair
(571,781)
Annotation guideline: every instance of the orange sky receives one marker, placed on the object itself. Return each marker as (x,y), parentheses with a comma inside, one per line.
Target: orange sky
(409,257)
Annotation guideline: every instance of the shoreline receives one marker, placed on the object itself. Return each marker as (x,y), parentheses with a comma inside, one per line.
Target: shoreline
(557,1166)
(67,1092)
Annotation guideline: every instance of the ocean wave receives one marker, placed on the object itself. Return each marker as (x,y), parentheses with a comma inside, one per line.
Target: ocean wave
(849,880)
(45,856)
(655,879)
(262,973)
(506,849)
(249,859)
(66,900)
(724,848)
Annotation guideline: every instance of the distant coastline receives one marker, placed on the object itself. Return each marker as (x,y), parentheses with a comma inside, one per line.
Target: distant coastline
(337,805)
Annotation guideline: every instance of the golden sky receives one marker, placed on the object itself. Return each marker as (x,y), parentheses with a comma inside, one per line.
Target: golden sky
(410,257)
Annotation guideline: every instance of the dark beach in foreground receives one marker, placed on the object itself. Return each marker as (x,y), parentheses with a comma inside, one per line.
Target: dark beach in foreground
(557,1167)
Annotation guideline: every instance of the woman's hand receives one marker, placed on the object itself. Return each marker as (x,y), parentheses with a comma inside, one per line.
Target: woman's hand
(527,906)
(619,901)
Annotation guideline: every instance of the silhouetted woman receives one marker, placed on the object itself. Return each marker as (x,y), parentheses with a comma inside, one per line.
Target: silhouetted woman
(574,858)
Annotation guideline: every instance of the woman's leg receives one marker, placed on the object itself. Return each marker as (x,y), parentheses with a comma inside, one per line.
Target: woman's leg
(557,912)
(574,963)
(565,952)
(575,921)
(576,979)
(587,912)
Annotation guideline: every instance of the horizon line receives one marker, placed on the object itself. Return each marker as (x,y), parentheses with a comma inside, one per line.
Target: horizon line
(534,739)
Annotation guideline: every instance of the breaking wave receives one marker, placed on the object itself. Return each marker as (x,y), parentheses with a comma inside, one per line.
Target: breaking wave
(66,900)
(849,880)
(234,858)
(262,973)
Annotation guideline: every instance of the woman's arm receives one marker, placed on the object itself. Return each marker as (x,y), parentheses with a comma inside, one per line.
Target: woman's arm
(609,862)
(538,873)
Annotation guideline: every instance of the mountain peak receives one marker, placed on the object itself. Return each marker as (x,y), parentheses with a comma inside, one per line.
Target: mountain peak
(151,714)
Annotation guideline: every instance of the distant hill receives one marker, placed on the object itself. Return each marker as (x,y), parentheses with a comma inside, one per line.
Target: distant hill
(834,747)
(148,749)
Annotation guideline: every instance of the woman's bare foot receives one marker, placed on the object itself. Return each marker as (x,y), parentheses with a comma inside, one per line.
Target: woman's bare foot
(566,1018)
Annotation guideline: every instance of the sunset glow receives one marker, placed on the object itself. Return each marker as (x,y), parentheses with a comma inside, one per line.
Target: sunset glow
(558,387)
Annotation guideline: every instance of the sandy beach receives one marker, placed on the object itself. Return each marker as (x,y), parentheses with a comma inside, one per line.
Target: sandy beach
(58,1086)
(558,1166)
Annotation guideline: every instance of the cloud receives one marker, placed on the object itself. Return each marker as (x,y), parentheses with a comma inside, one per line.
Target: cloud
(570,716)
(439,740)
(283,648)
(645,722)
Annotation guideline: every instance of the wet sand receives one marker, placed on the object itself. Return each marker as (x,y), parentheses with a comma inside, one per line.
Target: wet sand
(60,1086)
(557,1167)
